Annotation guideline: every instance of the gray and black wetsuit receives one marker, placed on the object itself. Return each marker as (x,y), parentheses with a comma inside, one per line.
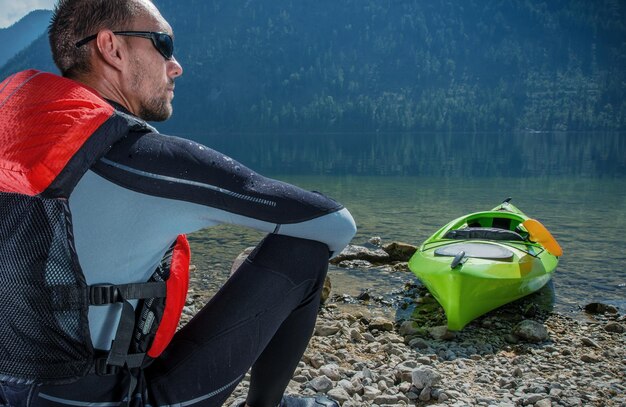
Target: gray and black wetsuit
(129,208)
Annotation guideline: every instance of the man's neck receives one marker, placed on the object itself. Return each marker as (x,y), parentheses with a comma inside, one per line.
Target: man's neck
(119,106)
(107,90)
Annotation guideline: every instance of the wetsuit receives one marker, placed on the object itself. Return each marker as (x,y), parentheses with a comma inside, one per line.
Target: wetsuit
(129,208)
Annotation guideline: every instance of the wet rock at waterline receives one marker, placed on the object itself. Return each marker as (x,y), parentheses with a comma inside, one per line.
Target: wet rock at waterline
(600,308)
(391,257)
(399,251)
(355,252)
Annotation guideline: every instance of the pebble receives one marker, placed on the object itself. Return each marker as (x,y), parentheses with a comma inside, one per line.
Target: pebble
(339,394)
(331,371)
(587,358)
(614,327)
(441,333)
(381,324)
(531,331)
(589,342)
(425,377)
(321,384)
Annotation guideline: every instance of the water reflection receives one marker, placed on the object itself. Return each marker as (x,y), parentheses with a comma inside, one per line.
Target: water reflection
(429,154)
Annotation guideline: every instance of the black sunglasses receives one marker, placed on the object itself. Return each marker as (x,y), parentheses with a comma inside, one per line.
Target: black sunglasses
(163,42)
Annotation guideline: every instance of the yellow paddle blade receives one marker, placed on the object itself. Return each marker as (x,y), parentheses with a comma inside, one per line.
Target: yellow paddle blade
(539,233)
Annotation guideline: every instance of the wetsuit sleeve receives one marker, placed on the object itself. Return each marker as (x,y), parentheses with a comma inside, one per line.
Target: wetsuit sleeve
(180,169)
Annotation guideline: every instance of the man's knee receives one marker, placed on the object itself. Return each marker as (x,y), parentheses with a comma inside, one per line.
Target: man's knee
(303,258)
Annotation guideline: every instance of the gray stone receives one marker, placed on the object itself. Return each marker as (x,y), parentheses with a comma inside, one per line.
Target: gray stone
(614,327)
(331,371)
(510,338)
(425,394)
(317,360)
(404,370)
(321,384)
(300,379)
(589,342)
(588,358)
(408,328)
(382,324)
(386,399)
(533,398)
(355,335)
(425,377)
(369,337)
(530,331)
(441,333)
(354,252)
(370,393)
(348,386)
(419,343)
(327,330)
(358,385)
(339,394)
(424,360)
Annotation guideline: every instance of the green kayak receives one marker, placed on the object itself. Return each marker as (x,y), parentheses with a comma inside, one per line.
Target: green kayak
(483,260)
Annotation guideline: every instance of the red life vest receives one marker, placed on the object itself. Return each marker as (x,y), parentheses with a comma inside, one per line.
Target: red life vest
(52,130)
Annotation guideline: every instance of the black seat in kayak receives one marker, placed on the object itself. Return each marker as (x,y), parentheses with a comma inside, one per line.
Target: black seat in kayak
(483,233)
(477,250)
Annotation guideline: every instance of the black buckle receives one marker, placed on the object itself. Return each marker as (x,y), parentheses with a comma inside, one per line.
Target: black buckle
(103,369)
(102,294)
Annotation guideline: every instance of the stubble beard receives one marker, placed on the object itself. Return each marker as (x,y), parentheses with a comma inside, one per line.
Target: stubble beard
(156,107)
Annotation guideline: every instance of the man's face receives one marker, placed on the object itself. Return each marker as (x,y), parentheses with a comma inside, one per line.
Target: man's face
(153,90)
(150,78)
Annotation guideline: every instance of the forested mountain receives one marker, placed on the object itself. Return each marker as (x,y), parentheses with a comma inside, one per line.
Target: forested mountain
(19,35)
(394,65)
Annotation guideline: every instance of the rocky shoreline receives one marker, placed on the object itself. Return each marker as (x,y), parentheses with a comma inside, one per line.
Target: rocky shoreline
(518,355)
(363,359)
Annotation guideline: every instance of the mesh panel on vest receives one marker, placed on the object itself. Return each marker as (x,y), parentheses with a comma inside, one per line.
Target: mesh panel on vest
(43,302)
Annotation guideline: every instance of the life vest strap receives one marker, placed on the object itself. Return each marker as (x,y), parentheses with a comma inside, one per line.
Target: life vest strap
(103,294)
(119,355)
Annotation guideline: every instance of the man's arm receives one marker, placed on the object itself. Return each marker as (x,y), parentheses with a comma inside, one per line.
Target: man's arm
(180,169)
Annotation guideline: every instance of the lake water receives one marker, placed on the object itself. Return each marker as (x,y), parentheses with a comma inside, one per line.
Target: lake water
(405,186)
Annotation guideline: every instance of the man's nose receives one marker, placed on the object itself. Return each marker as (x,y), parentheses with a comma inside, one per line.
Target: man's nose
(174,69)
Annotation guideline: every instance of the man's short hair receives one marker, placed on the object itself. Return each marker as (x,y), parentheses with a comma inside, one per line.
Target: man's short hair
(74,20)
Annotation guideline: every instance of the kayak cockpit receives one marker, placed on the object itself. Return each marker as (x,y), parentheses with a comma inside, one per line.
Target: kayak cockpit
(477,250)
(483,233)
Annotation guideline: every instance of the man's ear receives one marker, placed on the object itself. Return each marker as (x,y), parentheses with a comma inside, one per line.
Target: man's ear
(110,48)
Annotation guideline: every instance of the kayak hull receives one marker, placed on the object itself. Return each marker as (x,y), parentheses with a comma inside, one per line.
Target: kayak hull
(477,285)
